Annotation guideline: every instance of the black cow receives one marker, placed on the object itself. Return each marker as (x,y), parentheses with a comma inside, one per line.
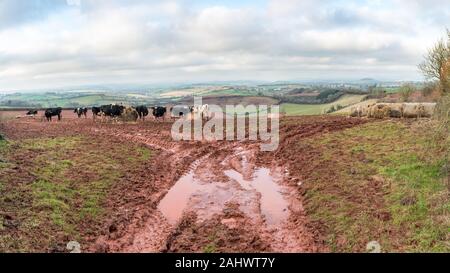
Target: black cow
(81,111)
(159,111)
(32,113)
(96,111)
(51,112)
(112,110)
(142,111)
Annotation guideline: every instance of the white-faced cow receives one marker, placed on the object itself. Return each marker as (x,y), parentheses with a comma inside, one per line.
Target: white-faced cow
(81,112)
(201,111)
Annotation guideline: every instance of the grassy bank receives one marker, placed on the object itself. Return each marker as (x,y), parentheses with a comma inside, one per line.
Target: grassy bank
(381,181)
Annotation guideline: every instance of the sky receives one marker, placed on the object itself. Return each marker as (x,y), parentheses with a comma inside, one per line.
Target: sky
(62,43)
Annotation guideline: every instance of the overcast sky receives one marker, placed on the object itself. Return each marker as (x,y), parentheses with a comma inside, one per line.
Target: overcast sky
(54,43)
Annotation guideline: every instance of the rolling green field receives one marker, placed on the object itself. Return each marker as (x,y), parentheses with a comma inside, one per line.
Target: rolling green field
(220,96)
(292,109)
(68,100)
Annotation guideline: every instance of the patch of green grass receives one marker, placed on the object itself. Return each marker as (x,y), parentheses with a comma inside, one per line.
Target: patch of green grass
(3,143)
(210,248)
(59,143)
(145,153)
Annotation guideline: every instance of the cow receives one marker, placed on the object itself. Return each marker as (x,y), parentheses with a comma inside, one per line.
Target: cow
(180,111)
(159,112)
(32,113)
(201,111)
(112,110)
(142,111)
(96,111)
(51,112)
(81,111)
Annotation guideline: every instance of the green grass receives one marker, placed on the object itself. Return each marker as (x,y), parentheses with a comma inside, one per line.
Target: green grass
(292,109)
(70,181)
(210,248)
(412,190)
(391,90)
(145,154)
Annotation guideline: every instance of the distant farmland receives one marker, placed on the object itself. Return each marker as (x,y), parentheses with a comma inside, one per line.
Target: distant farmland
(67,100)
(292,109)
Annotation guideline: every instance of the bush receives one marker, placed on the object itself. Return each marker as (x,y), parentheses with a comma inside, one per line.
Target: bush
(442,134)
(406,91)
(428,89)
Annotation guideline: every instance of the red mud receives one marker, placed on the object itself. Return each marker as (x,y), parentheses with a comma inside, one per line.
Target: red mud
(199,196)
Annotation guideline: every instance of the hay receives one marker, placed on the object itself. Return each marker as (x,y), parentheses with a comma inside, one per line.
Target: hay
(130,115)
(379,111)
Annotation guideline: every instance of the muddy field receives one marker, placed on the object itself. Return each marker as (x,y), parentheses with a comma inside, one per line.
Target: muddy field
(192,196)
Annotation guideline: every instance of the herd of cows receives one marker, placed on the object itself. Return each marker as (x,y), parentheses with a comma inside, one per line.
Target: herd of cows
(394,110)
(131,113)
(374,110)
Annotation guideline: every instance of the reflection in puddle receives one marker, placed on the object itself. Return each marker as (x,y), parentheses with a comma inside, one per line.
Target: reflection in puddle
(273,205)
(209,198)
(175,201)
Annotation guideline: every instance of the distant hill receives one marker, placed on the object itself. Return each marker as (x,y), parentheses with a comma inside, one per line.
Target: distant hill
(367,80)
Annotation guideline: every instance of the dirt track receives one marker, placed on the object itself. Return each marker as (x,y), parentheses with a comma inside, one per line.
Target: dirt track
(221,196)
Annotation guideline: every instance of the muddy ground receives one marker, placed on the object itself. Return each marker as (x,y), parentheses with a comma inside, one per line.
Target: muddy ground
(197,196)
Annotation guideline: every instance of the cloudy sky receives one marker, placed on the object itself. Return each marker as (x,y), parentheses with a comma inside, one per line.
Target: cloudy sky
(55,43)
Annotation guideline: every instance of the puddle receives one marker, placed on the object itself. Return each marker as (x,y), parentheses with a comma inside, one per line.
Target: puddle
(176,200)
(273,205)
(207,198)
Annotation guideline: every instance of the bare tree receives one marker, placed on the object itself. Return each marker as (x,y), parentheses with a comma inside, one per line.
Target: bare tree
(436,65)
(406,91)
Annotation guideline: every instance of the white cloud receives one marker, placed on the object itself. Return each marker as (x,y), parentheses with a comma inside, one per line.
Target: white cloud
(158,41)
